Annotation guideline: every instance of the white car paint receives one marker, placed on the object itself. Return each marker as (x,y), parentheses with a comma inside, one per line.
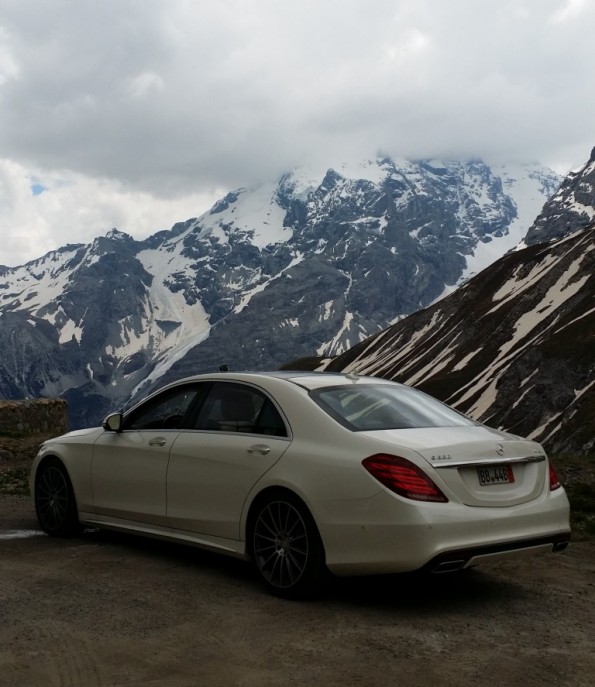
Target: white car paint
(198,486)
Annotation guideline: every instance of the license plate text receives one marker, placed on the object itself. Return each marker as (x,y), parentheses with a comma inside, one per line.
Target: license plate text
(495,474)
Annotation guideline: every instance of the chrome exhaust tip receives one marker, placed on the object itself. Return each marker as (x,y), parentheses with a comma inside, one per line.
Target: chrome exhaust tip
(450,566)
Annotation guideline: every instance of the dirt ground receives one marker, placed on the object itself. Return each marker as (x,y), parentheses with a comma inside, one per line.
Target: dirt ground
(107,610)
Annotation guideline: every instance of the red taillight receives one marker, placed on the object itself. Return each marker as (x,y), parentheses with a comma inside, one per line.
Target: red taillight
(554,481)
(403,477)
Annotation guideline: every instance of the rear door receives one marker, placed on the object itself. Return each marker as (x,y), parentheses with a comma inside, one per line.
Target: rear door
(239,434)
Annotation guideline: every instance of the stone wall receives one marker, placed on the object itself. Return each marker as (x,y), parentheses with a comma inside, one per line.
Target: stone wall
(34,416)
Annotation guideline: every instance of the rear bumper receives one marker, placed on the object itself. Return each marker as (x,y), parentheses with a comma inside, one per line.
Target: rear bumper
(388,534)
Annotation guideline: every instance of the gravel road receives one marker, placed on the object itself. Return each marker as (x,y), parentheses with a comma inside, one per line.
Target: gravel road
(107,610)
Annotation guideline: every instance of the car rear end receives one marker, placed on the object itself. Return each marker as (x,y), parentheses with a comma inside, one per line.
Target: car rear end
(453,506)
(445,492)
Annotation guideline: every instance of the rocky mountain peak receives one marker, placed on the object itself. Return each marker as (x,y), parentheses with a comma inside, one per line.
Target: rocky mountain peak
(571,207)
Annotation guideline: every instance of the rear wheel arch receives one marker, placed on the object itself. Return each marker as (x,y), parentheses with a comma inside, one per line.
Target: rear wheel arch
(262,497)
(284,544)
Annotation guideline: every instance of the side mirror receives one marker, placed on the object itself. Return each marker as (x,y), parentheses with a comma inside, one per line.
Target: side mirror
(113,422)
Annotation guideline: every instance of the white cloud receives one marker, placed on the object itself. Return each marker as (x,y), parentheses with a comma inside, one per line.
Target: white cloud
(569,10)
(8,65)
(154,101)
(42,211)
(145,84)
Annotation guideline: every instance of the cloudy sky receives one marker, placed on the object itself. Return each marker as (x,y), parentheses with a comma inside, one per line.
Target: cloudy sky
(139,113)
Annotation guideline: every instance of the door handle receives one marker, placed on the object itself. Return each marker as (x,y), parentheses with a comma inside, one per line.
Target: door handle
(262,449)
(157,441)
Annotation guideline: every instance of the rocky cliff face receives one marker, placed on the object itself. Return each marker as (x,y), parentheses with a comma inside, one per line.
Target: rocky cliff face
(313,263)
(571,207)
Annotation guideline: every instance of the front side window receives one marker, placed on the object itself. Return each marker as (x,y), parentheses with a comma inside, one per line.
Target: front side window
(166,411)
(231,407)
(369,407)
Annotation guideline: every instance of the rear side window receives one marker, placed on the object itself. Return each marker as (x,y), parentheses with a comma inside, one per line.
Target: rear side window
(231,407)
(369,407)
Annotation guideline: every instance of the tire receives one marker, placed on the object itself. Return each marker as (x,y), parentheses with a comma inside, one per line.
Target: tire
(55,503)
(286,547)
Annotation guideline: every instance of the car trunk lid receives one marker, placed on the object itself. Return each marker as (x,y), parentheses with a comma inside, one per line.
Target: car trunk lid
(478,465)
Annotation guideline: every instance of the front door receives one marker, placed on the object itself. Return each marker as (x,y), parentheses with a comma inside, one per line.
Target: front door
(129,468)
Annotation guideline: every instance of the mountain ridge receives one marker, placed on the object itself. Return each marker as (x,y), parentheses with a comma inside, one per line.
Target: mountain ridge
(316,261)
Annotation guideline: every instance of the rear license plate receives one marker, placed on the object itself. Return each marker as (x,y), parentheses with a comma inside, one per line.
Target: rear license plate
(495,474)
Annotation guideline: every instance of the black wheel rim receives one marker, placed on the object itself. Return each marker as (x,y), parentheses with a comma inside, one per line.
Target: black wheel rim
(281,544)
(51,497)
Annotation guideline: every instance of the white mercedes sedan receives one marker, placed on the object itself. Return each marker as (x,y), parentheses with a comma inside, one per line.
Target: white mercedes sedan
(306,474)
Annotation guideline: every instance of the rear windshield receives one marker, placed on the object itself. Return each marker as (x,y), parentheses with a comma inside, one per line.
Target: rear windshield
(368,406)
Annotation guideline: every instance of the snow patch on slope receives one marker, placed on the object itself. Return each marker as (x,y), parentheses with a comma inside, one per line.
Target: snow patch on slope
(163,305)
(485,385)
(254,210)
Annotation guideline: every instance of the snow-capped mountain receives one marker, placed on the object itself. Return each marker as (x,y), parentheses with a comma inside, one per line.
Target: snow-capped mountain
(514,347)
(314,262)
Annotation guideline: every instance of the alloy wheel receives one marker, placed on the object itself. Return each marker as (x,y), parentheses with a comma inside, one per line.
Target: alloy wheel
(281,545)
(54,500)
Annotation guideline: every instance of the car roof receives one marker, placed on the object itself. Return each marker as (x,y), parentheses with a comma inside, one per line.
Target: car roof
(314,380)
(304,378)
